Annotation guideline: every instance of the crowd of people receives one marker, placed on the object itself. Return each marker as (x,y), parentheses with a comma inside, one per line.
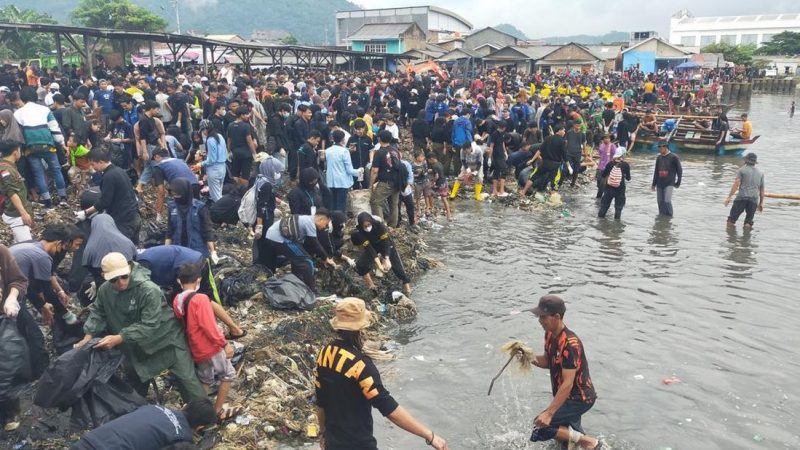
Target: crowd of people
(227,147)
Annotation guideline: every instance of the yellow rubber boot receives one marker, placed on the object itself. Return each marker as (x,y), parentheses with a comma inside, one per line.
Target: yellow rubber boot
(478,189)
(456,187)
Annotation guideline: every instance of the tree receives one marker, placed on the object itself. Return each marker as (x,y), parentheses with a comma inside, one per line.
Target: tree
(737,54)
(785,43)
(116,15)
(288,40)
(24,44)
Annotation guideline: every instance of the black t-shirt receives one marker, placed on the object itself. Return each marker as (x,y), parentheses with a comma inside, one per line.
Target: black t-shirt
(437,174)
(148,130)
(383,161)
(499,146)
(177,102)
(348,385)
(565,351)
(238,133)
(554,148)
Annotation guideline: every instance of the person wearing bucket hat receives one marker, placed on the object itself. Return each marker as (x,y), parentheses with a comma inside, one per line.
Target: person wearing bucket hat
(572,387)
(348,386)
(749,189)
(616,173)
(130,310)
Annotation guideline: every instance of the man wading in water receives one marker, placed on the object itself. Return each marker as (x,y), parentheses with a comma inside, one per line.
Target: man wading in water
(573,391)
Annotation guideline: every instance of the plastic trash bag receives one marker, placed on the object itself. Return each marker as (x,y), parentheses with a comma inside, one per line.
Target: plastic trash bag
(15,363)
(84,379)
(241,283)
(289,292)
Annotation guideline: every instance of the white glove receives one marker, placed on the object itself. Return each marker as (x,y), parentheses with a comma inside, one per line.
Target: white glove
(92,291)
(80,215)
(11,307)
(258,231)
(368,166)
(350,261)
(214,258)
(360,171)
(158,217)
(283,153)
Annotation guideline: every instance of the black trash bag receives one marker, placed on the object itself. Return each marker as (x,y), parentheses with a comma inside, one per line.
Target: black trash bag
(85,380)
(104,403)
(64,335)
(289,292)
(74,373)
(154,233)
(15,362)
(241,283)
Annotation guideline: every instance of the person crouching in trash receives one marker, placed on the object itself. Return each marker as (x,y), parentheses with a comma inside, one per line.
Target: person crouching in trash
(348,386)
(378,248)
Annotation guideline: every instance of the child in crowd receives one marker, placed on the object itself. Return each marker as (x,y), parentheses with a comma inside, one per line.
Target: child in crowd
(422,185)
(210,351)
(439,182)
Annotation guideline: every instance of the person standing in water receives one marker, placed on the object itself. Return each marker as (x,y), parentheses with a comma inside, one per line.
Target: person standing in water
(749,189)
(667,176)
(573,391)
(791,110)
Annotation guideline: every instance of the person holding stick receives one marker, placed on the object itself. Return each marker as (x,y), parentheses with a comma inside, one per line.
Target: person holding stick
(573,391)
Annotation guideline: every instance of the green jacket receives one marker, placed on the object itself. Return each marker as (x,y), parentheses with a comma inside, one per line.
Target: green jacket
(11,182)
(152,337)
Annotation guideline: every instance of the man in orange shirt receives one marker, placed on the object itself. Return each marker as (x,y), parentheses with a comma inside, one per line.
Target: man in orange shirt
(619,103)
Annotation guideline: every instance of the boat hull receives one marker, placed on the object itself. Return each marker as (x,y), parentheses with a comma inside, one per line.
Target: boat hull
(682,146)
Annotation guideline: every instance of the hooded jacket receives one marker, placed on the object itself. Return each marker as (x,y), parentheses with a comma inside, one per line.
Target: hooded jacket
(306,194)
(105,238)
(189,222)
(153,339)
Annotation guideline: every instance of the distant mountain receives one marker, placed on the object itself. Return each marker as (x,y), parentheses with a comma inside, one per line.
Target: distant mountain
(614,36)
(310,21)
(512,30)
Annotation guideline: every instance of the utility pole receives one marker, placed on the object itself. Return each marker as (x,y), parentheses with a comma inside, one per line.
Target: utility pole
(177,14)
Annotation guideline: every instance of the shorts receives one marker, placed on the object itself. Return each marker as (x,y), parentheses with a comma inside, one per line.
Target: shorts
(241,164)
(569,415)
(498,170)
(218,367)
(443,191)
(422,190)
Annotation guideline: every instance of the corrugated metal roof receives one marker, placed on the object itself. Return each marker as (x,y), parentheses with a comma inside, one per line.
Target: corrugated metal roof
(374,31)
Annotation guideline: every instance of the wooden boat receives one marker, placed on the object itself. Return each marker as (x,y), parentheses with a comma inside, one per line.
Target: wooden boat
(686,137)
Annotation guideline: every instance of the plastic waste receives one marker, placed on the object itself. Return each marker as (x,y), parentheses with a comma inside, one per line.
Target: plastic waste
(15,365)
(566,212)
(638,377)
(671,380)
(289,292)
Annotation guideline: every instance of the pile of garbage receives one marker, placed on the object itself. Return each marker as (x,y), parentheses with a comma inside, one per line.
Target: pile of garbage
(277,356)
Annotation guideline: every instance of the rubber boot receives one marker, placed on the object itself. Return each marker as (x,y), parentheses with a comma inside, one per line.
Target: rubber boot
(456,187)
(478,189)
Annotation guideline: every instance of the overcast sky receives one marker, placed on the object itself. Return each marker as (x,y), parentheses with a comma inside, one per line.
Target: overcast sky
(570,17)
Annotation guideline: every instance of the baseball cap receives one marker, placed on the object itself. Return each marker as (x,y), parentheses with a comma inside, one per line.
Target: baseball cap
(114,265)
(54,86)
(549,304)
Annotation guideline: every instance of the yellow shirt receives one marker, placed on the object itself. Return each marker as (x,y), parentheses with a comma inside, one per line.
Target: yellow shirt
(747,129)
(649,87)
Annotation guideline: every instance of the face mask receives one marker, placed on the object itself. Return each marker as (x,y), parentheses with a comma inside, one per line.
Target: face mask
(367,229)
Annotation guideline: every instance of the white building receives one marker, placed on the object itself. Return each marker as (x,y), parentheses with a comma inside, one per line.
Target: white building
(437,23)
(690,31)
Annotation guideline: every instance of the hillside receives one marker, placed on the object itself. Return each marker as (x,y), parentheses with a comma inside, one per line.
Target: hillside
(305,19)
(512,30)
(613,36)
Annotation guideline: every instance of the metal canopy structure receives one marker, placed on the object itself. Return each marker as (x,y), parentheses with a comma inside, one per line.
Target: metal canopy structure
(179,44)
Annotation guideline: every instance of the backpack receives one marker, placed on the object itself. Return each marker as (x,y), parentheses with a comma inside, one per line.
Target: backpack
(249,206)
(399,171)
(460,133)
(615,177)
(290,227)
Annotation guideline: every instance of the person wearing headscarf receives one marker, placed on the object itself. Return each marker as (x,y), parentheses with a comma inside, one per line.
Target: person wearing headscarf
(379,250)
(189,223)
(104,238)
(269,172)
(9,128)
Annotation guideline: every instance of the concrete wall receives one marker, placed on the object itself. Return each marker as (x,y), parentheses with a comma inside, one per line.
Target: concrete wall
(702,31)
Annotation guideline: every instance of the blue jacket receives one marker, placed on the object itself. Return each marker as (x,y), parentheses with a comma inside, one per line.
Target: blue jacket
(340,171)
(462,132)
(195,241)
(173,168)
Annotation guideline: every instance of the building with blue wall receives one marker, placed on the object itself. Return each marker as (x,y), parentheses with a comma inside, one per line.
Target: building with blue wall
(390,38)
(652,55)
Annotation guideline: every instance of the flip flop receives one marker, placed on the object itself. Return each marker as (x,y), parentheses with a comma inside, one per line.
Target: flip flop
(230,337)
(228,414)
